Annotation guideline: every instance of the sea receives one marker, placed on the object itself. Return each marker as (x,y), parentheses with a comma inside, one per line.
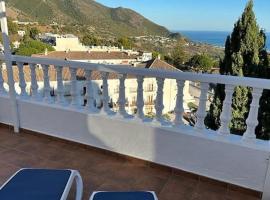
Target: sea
(216,38)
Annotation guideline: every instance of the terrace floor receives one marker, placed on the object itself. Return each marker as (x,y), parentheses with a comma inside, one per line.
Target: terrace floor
(102,170)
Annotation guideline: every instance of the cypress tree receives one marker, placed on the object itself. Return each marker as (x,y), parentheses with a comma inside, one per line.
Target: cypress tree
(245,55)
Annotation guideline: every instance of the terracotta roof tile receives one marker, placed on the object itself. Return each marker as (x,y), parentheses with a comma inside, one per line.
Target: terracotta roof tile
(83,55)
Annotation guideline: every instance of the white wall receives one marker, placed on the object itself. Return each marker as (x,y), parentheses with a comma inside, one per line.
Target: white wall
(222,158)
(70,43)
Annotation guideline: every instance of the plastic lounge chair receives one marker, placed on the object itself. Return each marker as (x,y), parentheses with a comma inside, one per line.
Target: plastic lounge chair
(102,195)
(41,184)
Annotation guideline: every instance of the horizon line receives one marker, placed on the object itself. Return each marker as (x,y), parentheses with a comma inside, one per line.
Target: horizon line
(174,30)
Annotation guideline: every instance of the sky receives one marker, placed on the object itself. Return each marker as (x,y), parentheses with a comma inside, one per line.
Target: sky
(202,15)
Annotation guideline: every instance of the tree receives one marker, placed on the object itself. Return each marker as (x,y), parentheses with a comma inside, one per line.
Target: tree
(125,42)
(12,27)
(156,54)
(177,57)
(33,33)
(244,56)
(90,40)
(201,62)
(32,47)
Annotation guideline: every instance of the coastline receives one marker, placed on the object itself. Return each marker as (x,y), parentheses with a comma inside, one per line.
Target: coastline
(214,38)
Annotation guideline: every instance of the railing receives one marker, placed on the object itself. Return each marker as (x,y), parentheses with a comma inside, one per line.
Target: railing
(230,82)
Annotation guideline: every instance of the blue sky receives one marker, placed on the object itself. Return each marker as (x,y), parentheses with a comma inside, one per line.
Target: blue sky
(214,15)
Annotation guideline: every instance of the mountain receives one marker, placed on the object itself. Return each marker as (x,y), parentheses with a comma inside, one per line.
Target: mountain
(95,16)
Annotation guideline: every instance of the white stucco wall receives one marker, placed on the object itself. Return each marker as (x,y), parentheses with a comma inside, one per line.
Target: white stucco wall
(205,153)
(70,43)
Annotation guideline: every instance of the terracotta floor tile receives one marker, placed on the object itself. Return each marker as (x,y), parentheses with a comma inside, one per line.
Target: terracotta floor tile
(178,188)
(209,191)
(6,170)
(13,140)
(2,148)
(151,183)
(115,185)
(18,158)
(105,171)
(236,195)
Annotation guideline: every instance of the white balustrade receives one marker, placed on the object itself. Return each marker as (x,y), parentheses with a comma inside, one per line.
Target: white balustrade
(2,89)
(105,93)
(204,79)
(22,82)
(140,102)
(47,87)
(34,85)
(226,115)
(159,100)
(252,120)
(122,95)
(179,109)
(201,112)
(89,92)
(60,87)
(74,93)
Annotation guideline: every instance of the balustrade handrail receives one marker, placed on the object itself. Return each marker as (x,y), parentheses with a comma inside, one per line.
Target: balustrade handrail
(126,69)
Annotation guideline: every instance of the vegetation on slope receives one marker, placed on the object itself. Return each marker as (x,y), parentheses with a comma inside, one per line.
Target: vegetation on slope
(96,17)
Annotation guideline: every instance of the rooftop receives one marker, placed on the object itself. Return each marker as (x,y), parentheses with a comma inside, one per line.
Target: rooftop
(100,169)
(96,75)
(88,55)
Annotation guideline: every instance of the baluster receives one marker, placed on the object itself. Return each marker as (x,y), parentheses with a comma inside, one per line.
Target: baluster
(74,93)
(89,92)
(201,113)
(122,96)
(47,87)
(179,108)
(252,120)
(22,82)
(105,93)
(226,115)
(34,85)
(140,102)
(2,89)
(60,87)
(159,100)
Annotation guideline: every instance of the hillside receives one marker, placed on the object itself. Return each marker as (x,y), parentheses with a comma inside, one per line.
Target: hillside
(88,13)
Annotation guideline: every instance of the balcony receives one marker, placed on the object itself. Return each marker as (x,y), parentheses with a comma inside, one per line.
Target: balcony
(170,150)
(100,169)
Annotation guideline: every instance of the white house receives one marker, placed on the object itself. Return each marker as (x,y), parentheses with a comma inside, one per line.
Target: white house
(68,42)
(21,33)
(123,57)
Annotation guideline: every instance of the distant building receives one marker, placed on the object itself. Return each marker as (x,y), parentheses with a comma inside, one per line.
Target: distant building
(24,23)
(150,86)
(1,48)
(66,42)
(122,57)
(16,44)
(21,33)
